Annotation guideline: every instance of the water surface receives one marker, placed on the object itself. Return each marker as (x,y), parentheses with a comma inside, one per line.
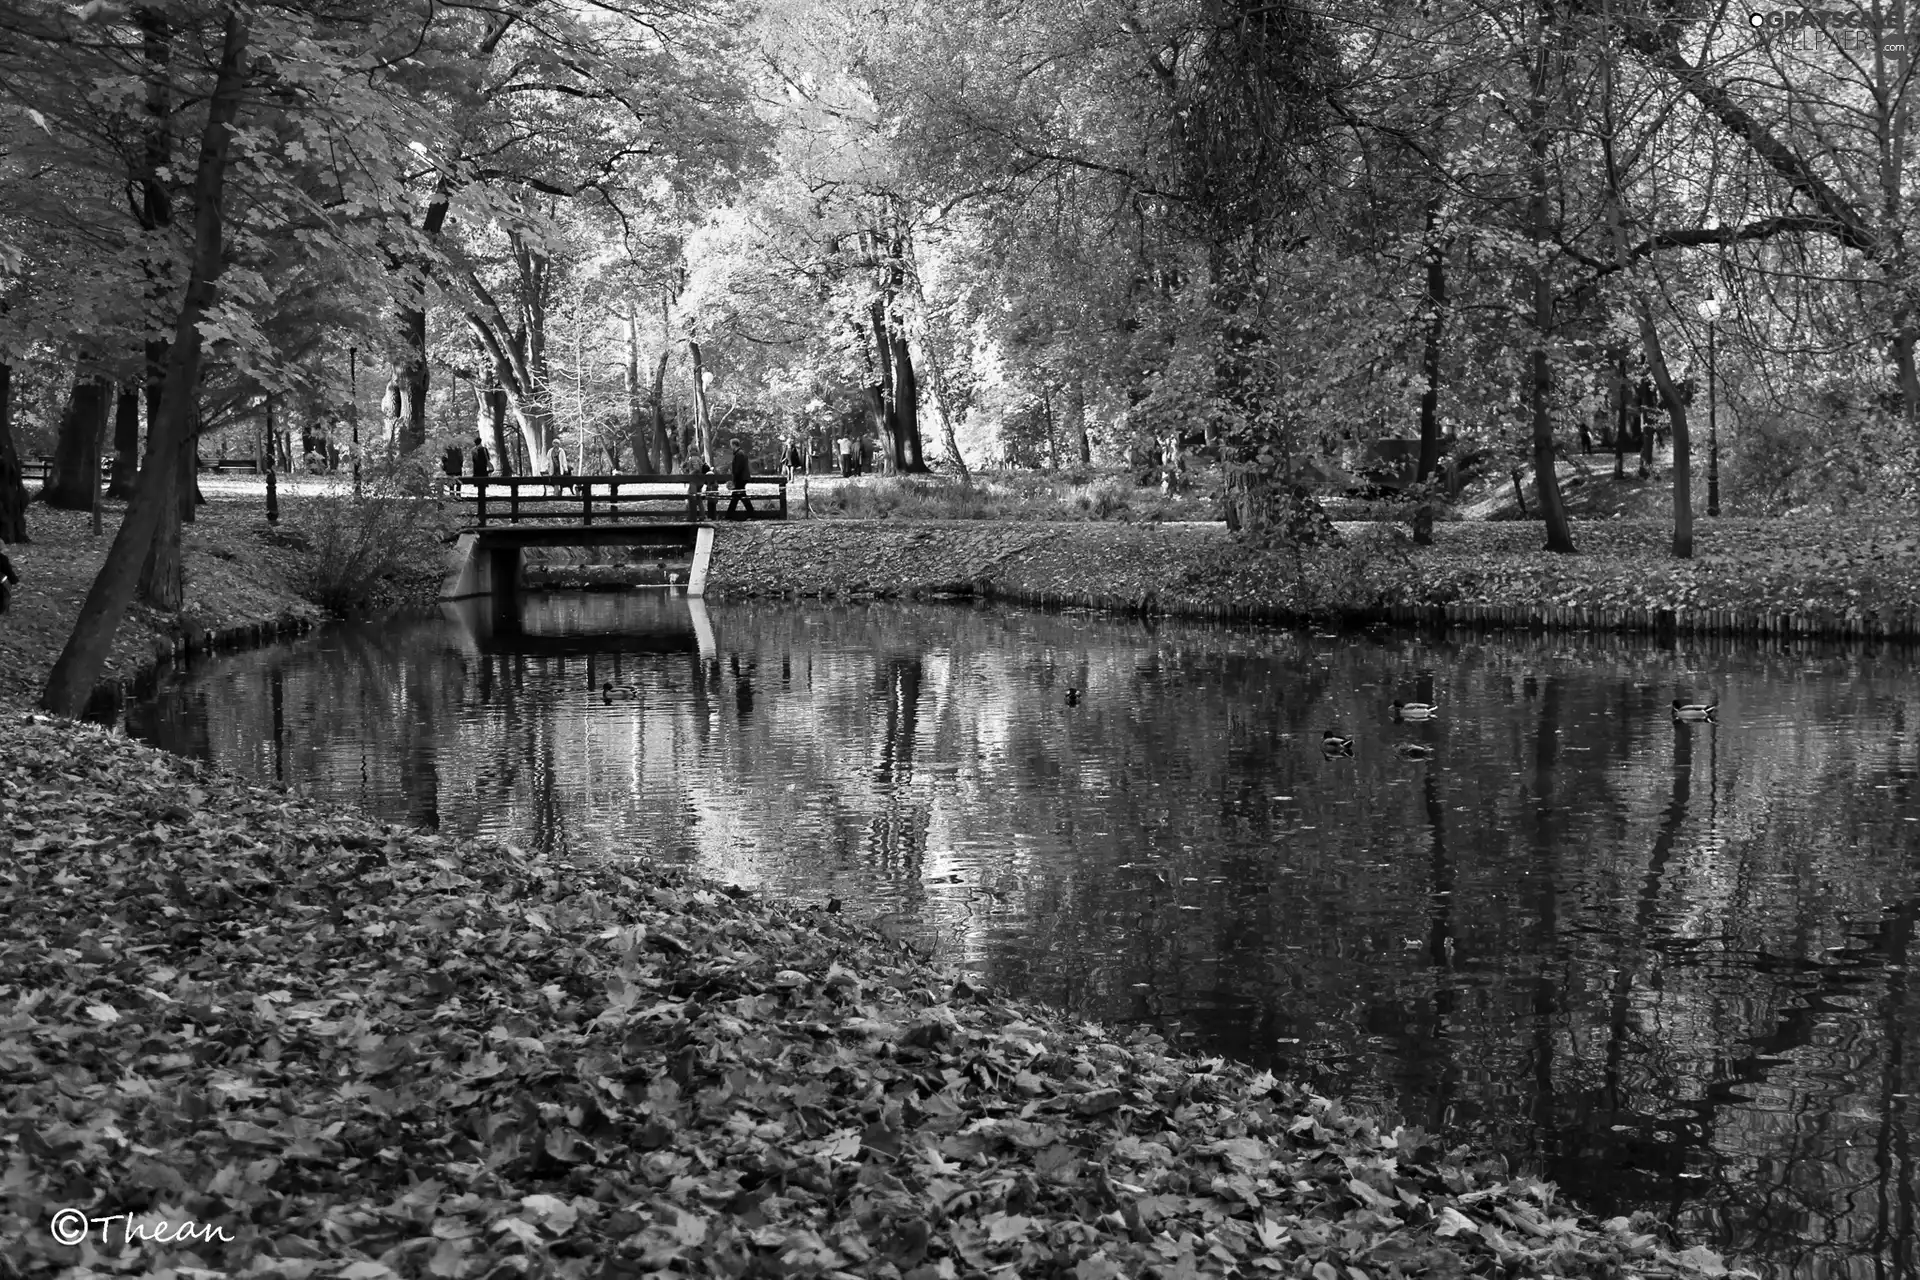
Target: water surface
(1666,965)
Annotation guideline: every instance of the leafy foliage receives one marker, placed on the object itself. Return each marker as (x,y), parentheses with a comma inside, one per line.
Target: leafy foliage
(350,1044)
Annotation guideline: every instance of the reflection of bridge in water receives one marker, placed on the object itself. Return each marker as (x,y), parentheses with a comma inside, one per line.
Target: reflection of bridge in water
(575,624)
(485,563)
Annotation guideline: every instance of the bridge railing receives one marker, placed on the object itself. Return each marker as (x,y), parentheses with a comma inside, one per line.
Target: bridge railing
(511,499)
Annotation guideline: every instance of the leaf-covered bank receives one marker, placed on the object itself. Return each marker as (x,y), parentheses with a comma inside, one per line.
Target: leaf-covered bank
(341,1043)
(246,580)
(240,574)
(1858,569)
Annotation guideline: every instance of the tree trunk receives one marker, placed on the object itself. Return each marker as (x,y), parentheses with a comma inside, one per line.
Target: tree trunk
(126,442)
(410,379)
(1682,447)
(1905,336)
(907,449)
(877,316)
(1077,415)
(702,421)
(881,423)
(13,489)
(1620,419)
(76,454)
(78,667)
(1546,478)
(1053,440)
(188,477)
(162,577)
(490,402)
(1430,351)
(944,403)
(662,438)
(638,426)
(522,391)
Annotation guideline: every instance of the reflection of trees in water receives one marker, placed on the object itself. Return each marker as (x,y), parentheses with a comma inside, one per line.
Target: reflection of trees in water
(1576,915)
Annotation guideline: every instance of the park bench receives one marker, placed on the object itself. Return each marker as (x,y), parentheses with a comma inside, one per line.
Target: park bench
(36,469)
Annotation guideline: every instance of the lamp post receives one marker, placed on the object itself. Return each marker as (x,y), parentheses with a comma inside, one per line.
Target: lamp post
(1711,310)
(353,411)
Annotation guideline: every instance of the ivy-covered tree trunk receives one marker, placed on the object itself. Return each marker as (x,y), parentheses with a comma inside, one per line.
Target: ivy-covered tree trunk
(13,489)
(126,442)
(76,452)
(78,667)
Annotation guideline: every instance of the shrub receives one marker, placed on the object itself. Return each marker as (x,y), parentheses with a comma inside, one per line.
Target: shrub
(1007,496)
(363,551)
(1802,464)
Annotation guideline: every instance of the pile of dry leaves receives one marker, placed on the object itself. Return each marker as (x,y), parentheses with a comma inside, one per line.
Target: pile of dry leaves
(349,1050)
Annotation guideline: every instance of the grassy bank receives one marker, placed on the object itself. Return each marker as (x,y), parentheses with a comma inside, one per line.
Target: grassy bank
(344,1049)
(1742,569)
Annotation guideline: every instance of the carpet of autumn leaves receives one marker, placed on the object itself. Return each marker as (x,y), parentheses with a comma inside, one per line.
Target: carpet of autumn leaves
(360,1051)
(1864,567)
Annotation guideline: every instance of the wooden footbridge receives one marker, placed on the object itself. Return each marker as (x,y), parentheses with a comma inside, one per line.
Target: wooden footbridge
(670,515)
(568,499)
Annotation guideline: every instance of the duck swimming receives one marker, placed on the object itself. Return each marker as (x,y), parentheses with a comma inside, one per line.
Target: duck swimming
(1694,710)
(1415,710)
(1073,697)
(1334,744)
(609,691)
(1413,751)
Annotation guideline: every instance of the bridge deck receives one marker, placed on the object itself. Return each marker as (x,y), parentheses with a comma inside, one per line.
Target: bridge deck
(653,533)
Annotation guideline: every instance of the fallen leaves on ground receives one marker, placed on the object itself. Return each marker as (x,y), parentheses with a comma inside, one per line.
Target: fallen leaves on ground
(360,1051)
(237,571)
(1754,566)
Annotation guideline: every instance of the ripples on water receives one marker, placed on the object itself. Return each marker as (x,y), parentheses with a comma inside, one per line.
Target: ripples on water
(1666,965)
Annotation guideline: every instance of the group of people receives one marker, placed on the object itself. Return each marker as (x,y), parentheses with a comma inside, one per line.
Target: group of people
(855,454)
(739,467)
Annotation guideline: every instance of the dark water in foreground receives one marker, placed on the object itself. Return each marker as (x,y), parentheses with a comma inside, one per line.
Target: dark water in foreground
(1669,966)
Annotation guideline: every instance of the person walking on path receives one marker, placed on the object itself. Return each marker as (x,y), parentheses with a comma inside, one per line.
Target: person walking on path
(844,445)
(482,460)
(866,453)
(739,468)
(700,473)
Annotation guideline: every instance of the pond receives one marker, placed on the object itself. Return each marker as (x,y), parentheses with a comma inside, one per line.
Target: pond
(1667,965)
